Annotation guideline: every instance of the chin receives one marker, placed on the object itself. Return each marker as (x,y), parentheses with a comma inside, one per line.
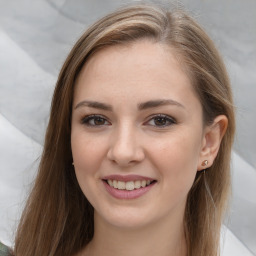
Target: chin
(127,218)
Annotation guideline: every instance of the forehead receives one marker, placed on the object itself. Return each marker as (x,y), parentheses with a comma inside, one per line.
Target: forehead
(142,69)
(142,55)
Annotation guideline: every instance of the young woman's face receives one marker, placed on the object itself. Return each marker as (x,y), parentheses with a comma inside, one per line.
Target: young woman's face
(137,134)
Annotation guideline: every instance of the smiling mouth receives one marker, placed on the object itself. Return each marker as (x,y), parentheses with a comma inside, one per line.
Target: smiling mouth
(129,185)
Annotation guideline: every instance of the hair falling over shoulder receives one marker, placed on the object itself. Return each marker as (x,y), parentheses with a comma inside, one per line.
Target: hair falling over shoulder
(57,219)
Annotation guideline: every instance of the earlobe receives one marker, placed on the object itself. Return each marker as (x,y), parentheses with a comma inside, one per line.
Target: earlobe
(213,135)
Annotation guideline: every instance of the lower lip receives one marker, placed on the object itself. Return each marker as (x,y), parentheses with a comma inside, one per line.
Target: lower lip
(127,194)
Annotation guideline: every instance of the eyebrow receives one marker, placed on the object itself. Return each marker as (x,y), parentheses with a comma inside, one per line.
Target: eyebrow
(94,104)
(158,103)
(141,106)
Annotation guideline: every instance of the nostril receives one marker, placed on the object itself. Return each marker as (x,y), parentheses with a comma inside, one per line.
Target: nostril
(124,155)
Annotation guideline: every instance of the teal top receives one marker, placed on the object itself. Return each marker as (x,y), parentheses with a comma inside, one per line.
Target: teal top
(4,250)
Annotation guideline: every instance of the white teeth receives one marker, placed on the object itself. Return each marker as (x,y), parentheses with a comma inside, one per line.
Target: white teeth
(137,184)
(114,183)
(143,183)
(129,185)
(121,184)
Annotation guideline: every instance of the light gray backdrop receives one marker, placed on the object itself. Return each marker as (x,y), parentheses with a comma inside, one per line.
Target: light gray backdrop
(35,37)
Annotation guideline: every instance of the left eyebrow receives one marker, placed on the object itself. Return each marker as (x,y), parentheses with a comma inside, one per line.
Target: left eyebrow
(94,104)
(158,103)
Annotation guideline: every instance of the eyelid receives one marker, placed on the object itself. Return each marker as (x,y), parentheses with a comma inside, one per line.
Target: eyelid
(87,118)
(168,118)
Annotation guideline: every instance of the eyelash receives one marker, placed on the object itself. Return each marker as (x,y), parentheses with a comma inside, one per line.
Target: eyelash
(86,120)
(168,119)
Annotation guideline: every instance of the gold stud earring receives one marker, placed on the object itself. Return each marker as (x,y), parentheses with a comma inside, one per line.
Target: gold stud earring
(205,163)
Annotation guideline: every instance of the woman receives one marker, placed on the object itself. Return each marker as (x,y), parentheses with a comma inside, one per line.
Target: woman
(137,151)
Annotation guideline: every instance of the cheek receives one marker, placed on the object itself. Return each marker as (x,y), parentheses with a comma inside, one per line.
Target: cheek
(176,158)
(87,152)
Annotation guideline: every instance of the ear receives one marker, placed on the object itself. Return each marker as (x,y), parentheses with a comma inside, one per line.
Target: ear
(211,141)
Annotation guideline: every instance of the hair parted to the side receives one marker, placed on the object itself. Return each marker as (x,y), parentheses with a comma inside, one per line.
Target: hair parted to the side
(58,219)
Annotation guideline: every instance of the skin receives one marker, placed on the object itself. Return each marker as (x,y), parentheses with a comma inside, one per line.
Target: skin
(127,140)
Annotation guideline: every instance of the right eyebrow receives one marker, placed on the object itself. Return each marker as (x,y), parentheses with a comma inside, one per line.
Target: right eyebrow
(94,104)
(159,103)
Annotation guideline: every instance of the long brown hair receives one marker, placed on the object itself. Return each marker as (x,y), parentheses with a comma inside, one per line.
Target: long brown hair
(58,219)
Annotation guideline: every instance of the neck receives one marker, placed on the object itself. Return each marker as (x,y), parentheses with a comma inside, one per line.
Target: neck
(164,238)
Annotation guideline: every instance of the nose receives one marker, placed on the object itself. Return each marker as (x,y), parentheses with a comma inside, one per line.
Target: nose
(125,147)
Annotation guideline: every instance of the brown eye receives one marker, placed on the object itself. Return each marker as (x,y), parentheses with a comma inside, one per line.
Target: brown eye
(98,121)
(94,120)
(161,121)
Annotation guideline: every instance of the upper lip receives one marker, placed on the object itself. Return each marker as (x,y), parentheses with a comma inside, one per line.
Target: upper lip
(131,177)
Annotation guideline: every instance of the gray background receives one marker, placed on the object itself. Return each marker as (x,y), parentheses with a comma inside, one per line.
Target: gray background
(35,38)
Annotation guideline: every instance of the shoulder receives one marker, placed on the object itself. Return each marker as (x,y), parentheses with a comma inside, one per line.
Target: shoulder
(4,250)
